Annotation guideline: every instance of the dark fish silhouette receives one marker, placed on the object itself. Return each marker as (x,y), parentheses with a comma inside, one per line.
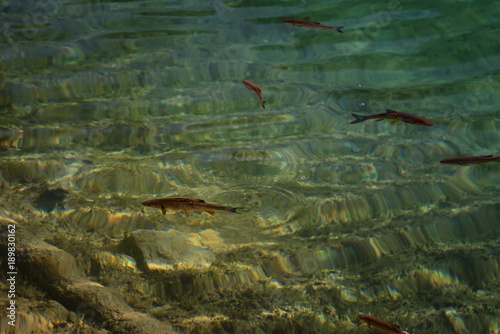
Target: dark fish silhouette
(256,90)
(393,116)
(480,160)
(186,205)
(311,25)
(383,325)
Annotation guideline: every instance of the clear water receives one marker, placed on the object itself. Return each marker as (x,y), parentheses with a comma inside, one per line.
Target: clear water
(109,104)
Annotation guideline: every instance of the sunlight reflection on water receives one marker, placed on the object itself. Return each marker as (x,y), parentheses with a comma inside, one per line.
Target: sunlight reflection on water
(114,103)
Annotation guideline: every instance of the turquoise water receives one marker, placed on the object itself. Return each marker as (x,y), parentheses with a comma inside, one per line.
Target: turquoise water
(104,105)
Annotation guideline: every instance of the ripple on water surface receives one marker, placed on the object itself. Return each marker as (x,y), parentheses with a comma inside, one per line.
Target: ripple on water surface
(109,104)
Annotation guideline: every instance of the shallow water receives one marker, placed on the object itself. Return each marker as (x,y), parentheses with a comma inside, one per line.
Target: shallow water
(104,105)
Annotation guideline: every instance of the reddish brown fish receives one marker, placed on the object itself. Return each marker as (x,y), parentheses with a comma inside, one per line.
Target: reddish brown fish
(464,161)
(256,90)
(311,25)
(393,116)
(186,205)
(383,325)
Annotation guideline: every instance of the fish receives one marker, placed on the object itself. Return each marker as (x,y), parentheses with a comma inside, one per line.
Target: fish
(256,90)
(383,325)
(393,116)
(311,25)
(187,205)
(464,161)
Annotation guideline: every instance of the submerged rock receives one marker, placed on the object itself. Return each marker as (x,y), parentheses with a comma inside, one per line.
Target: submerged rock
(48,199)
(56,273)
(35,316)
(166,250)
(10,138)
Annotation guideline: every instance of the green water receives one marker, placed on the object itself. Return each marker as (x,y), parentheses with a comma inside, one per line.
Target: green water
(104,105)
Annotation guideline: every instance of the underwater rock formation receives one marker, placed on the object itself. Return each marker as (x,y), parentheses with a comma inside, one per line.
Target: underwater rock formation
(56,273)
(162,250)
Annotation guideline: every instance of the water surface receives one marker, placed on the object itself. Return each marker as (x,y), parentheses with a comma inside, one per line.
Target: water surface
(106,104)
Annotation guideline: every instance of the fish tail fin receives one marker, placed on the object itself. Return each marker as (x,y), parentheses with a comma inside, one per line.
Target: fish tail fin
(235,210)
(358,118)
(263,104)
(339,29)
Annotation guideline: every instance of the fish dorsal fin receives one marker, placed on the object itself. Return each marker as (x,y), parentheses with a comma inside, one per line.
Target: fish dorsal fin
(487,156)
(183,199)
(387,111)
(316,23)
